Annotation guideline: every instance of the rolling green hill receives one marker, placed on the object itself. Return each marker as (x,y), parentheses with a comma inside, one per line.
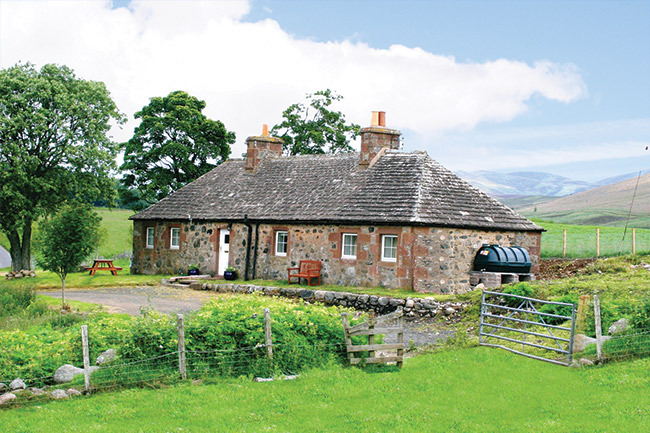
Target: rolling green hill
(604,206)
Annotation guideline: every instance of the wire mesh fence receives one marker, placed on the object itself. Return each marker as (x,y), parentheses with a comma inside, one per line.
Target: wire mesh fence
(264,359)
(578,242)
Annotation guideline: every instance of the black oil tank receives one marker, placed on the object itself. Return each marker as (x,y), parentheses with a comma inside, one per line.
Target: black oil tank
(494,258)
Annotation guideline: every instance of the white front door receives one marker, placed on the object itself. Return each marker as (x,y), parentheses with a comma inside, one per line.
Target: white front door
(224,250)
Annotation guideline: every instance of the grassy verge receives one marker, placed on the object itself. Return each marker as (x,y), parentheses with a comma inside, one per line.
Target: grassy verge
(480,389)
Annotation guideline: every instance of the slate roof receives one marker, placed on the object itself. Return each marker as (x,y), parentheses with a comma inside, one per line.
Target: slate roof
(401,189)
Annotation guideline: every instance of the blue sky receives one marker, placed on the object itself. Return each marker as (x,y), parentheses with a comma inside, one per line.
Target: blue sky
(557,86)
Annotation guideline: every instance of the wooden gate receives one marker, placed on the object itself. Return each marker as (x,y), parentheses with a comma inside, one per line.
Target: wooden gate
(369,328)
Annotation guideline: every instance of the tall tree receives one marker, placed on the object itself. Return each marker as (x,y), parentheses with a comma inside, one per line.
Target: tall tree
(66,239)
(314,128)
(53,146)
(174,144)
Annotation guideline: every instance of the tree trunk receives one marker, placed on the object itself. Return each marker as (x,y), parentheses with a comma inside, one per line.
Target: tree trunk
(15,250)
(20,249)
(63,291)
(26,250)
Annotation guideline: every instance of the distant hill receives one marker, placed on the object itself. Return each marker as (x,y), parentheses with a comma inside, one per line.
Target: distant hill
(605,205)
(524,183)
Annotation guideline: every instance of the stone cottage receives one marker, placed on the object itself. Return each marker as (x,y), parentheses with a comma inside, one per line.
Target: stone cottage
(380,217)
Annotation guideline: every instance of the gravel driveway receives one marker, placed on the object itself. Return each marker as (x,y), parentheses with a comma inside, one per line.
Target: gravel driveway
(131,300)
(419,331)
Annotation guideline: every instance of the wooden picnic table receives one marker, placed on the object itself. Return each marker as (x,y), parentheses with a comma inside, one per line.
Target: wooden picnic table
(103,265)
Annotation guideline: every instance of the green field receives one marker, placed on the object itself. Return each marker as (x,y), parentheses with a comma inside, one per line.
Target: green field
(118,229)
(471,390)
(581,240)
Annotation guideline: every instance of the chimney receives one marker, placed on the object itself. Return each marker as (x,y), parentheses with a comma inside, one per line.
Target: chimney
(376,139)
(262,147)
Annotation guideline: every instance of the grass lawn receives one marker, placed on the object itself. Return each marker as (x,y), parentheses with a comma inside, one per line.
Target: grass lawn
(471,390)
(77,280)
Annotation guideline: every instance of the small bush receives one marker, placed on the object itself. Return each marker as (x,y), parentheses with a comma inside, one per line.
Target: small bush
(519,289)
(606,266)
(561,310)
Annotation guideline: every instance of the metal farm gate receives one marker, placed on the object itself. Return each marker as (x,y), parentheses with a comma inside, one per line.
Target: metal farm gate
(528,326)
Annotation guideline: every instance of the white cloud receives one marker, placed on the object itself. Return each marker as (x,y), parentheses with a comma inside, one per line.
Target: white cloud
(248,73)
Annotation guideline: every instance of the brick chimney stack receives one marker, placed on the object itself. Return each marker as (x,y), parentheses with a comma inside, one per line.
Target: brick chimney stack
(376,139)
(262,147)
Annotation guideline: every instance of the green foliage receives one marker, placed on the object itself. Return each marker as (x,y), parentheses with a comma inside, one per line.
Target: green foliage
(53,146)
(560,310)
(15,298)
(67,238)
(174,144)
(229,330)
(317,131)
(641,317)
(519,289)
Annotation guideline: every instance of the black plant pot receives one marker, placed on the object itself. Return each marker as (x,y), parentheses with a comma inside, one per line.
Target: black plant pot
(230,275)
(193,272)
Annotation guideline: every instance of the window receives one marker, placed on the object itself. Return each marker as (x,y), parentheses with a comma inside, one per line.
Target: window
(175,238)
(349,246)
(281,238)
(389,248)
(150,233)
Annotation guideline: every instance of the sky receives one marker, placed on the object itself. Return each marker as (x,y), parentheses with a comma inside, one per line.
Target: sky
(555,86)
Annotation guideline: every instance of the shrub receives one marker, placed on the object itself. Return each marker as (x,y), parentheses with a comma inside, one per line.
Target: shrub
(561,310)
(519,289)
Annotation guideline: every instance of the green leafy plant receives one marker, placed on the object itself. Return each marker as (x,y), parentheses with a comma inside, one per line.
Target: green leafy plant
(66,239)
(560,310)
(519,289)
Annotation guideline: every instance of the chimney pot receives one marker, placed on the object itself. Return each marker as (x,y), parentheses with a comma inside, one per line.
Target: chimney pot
(382,118)
(374,121)
(265,130)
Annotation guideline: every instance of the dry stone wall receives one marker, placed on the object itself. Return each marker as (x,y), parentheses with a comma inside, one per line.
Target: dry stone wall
(421,307)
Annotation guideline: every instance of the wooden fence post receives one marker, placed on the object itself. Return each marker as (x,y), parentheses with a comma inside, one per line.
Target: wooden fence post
(400,339)
(597,242)
(371,337)
(268,340)
(346,335)
(86,356)
(583,303)
(180,326)
(564,243)
(599,331)
(633,241)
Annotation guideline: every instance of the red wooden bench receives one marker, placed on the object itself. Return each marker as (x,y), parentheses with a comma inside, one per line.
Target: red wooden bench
(103,265)
(308,269)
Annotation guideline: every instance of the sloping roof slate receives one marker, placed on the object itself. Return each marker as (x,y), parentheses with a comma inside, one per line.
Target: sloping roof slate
(401,188)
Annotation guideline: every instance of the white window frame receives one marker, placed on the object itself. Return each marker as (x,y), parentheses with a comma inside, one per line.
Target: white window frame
(385,258)
(176,246)
(345,236)
(151,234)
(285,243)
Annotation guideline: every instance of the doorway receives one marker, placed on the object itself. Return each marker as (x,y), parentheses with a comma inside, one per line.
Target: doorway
(224,250)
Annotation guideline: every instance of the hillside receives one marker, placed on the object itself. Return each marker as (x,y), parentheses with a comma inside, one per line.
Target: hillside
(523,183)
(606,205)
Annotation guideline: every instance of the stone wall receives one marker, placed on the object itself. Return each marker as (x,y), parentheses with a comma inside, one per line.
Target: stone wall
(413,307)
(198,245)
(432,260)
